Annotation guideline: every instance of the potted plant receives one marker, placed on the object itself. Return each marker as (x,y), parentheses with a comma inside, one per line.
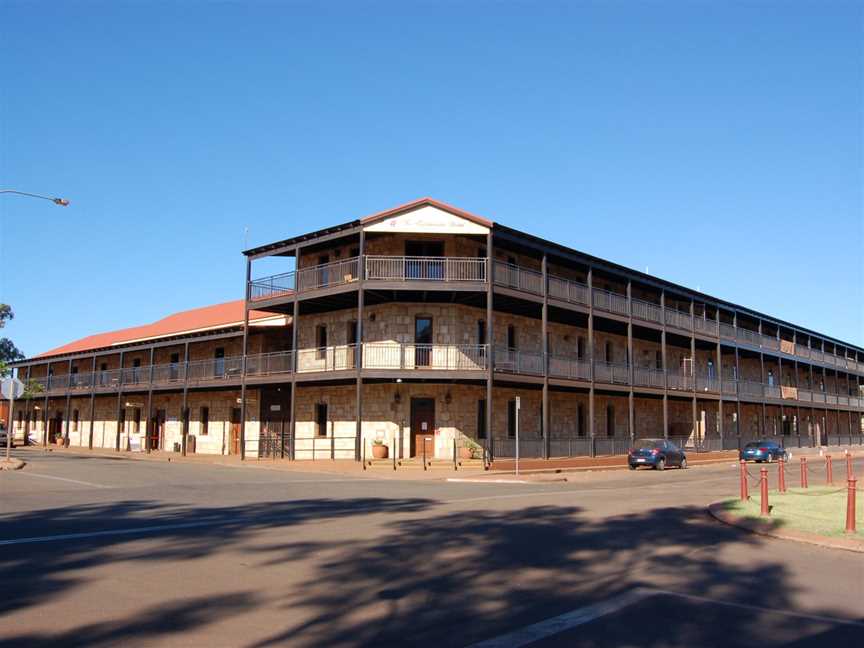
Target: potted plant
(470,449)
(379,450)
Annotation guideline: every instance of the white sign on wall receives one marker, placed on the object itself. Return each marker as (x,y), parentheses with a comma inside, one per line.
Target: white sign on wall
(429,220)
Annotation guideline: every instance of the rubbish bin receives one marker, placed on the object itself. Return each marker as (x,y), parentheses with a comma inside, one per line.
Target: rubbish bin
(176,447)
(190,444)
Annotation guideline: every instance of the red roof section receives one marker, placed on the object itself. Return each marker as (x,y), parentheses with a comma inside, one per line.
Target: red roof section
(432,202)
(206,317)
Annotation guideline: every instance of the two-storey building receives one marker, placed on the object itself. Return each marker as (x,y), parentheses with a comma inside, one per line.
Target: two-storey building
(419,328)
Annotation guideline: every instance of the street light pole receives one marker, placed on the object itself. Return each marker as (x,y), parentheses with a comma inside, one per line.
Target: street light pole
(57,201)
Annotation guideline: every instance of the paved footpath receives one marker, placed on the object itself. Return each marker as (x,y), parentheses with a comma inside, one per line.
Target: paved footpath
(100,550)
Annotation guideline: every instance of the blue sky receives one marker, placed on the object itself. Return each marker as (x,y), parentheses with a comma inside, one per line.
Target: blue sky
(717,144)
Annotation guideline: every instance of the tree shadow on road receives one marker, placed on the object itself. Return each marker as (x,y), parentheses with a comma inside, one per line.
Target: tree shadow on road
(431,575)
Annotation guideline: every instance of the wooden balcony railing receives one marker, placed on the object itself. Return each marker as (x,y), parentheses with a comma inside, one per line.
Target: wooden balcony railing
(389,268)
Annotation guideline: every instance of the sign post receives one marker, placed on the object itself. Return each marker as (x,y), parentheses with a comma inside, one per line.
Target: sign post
(10,388)
(518,407)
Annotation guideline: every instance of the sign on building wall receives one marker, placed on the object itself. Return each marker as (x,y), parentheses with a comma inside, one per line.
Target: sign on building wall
(427,220)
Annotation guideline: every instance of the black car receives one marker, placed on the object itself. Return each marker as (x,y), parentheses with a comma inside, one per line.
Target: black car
(657,453)
(760,451)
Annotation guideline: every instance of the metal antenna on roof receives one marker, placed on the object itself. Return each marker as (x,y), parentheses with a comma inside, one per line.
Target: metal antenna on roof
(246,238)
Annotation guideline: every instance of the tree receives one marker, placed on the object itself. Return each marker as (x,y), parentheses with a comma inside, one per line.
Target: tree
(8,351)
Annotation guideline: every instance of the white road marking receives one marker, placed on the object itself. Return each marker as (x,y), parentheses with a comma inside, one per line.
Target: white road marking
(581,616)
(110,532)
(759,608)
(64,479)
(563,622)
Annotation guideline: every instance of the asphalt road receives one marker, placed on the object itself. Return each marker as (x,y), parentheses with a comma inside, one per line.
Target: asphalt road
(100,551)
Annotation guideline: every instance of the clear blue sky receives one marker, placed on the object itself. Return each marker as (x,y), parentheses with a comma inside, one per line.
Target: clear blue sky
(717,144)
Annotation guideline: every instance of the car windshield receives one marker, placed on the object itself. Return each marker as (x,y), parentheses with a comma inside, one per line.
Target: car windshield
(641,444)
(754,444)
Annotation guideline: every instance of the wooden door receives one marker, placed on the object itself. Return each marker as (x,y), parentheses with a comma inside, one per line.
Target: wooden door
(157,431)
(423,427)
(234,446)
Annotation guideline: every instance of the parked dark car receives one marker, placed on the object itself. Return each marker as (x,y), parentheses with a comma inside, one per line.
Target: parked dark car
(760,451)
(657,453)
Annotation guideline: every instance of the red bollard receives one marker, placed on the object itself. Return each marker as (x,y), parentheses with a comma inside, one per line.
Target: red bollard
(850,506)
(763,491)
(803,472)
(848,465)
(781,476)
(829,470)
(743,479)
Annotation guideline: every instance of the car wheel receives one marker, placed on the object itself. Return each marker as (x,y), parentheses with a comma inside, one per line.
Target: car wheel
(770,458)
(660,465)
(632,467)
(683,463)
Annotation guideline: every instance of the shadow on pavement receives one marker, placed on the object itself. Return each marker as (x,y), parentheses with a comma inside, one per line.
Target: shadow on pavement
(446,579)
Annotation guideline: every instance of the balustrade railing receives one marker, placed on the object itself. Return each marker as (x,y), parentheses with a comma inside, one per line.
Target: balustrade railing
(678,319)
(679,382)
(406,268)
(706,326)
(330,358)
(214,369)
(447,357)
(265,364)
(647,311)
(610,302)
(709,384)
(330,274)
(518,278)
(649,377)
(568,290)
(569,367)
(274,286)
(611,373)
(751,388)
(520,362)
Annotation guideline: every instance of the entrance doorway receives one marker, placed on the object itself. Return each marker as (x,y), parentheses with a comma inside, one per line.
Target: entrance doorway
(55,427)
(275,439)
(234,443)
(423,427)
(157,431)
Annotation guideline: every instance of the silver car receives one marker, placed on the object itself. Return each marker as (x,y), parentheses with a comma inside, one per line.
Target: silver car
(3,440)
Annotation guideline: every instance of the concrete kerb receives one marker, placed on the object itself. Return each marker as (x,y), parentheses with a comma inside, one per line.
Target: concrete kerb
(12,464)
(772,530)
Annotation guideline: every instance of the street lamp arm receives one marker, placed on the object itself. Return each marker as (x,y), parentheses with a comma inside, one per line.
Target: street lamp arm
(57,201)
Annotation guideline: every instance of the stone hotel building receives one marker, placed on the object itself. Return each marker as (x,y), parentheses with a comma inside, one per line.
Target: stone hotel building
(418,328)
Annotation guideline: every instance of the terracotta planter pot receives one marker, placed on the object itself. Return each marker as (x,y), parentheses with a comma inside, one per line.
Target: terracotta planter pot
(380,451)
(465,453)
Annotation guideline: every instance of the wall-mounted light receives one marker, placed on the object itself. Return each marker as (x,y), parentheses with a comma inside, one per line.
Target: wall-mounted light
(448,398)
(397,398)
(371,317)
